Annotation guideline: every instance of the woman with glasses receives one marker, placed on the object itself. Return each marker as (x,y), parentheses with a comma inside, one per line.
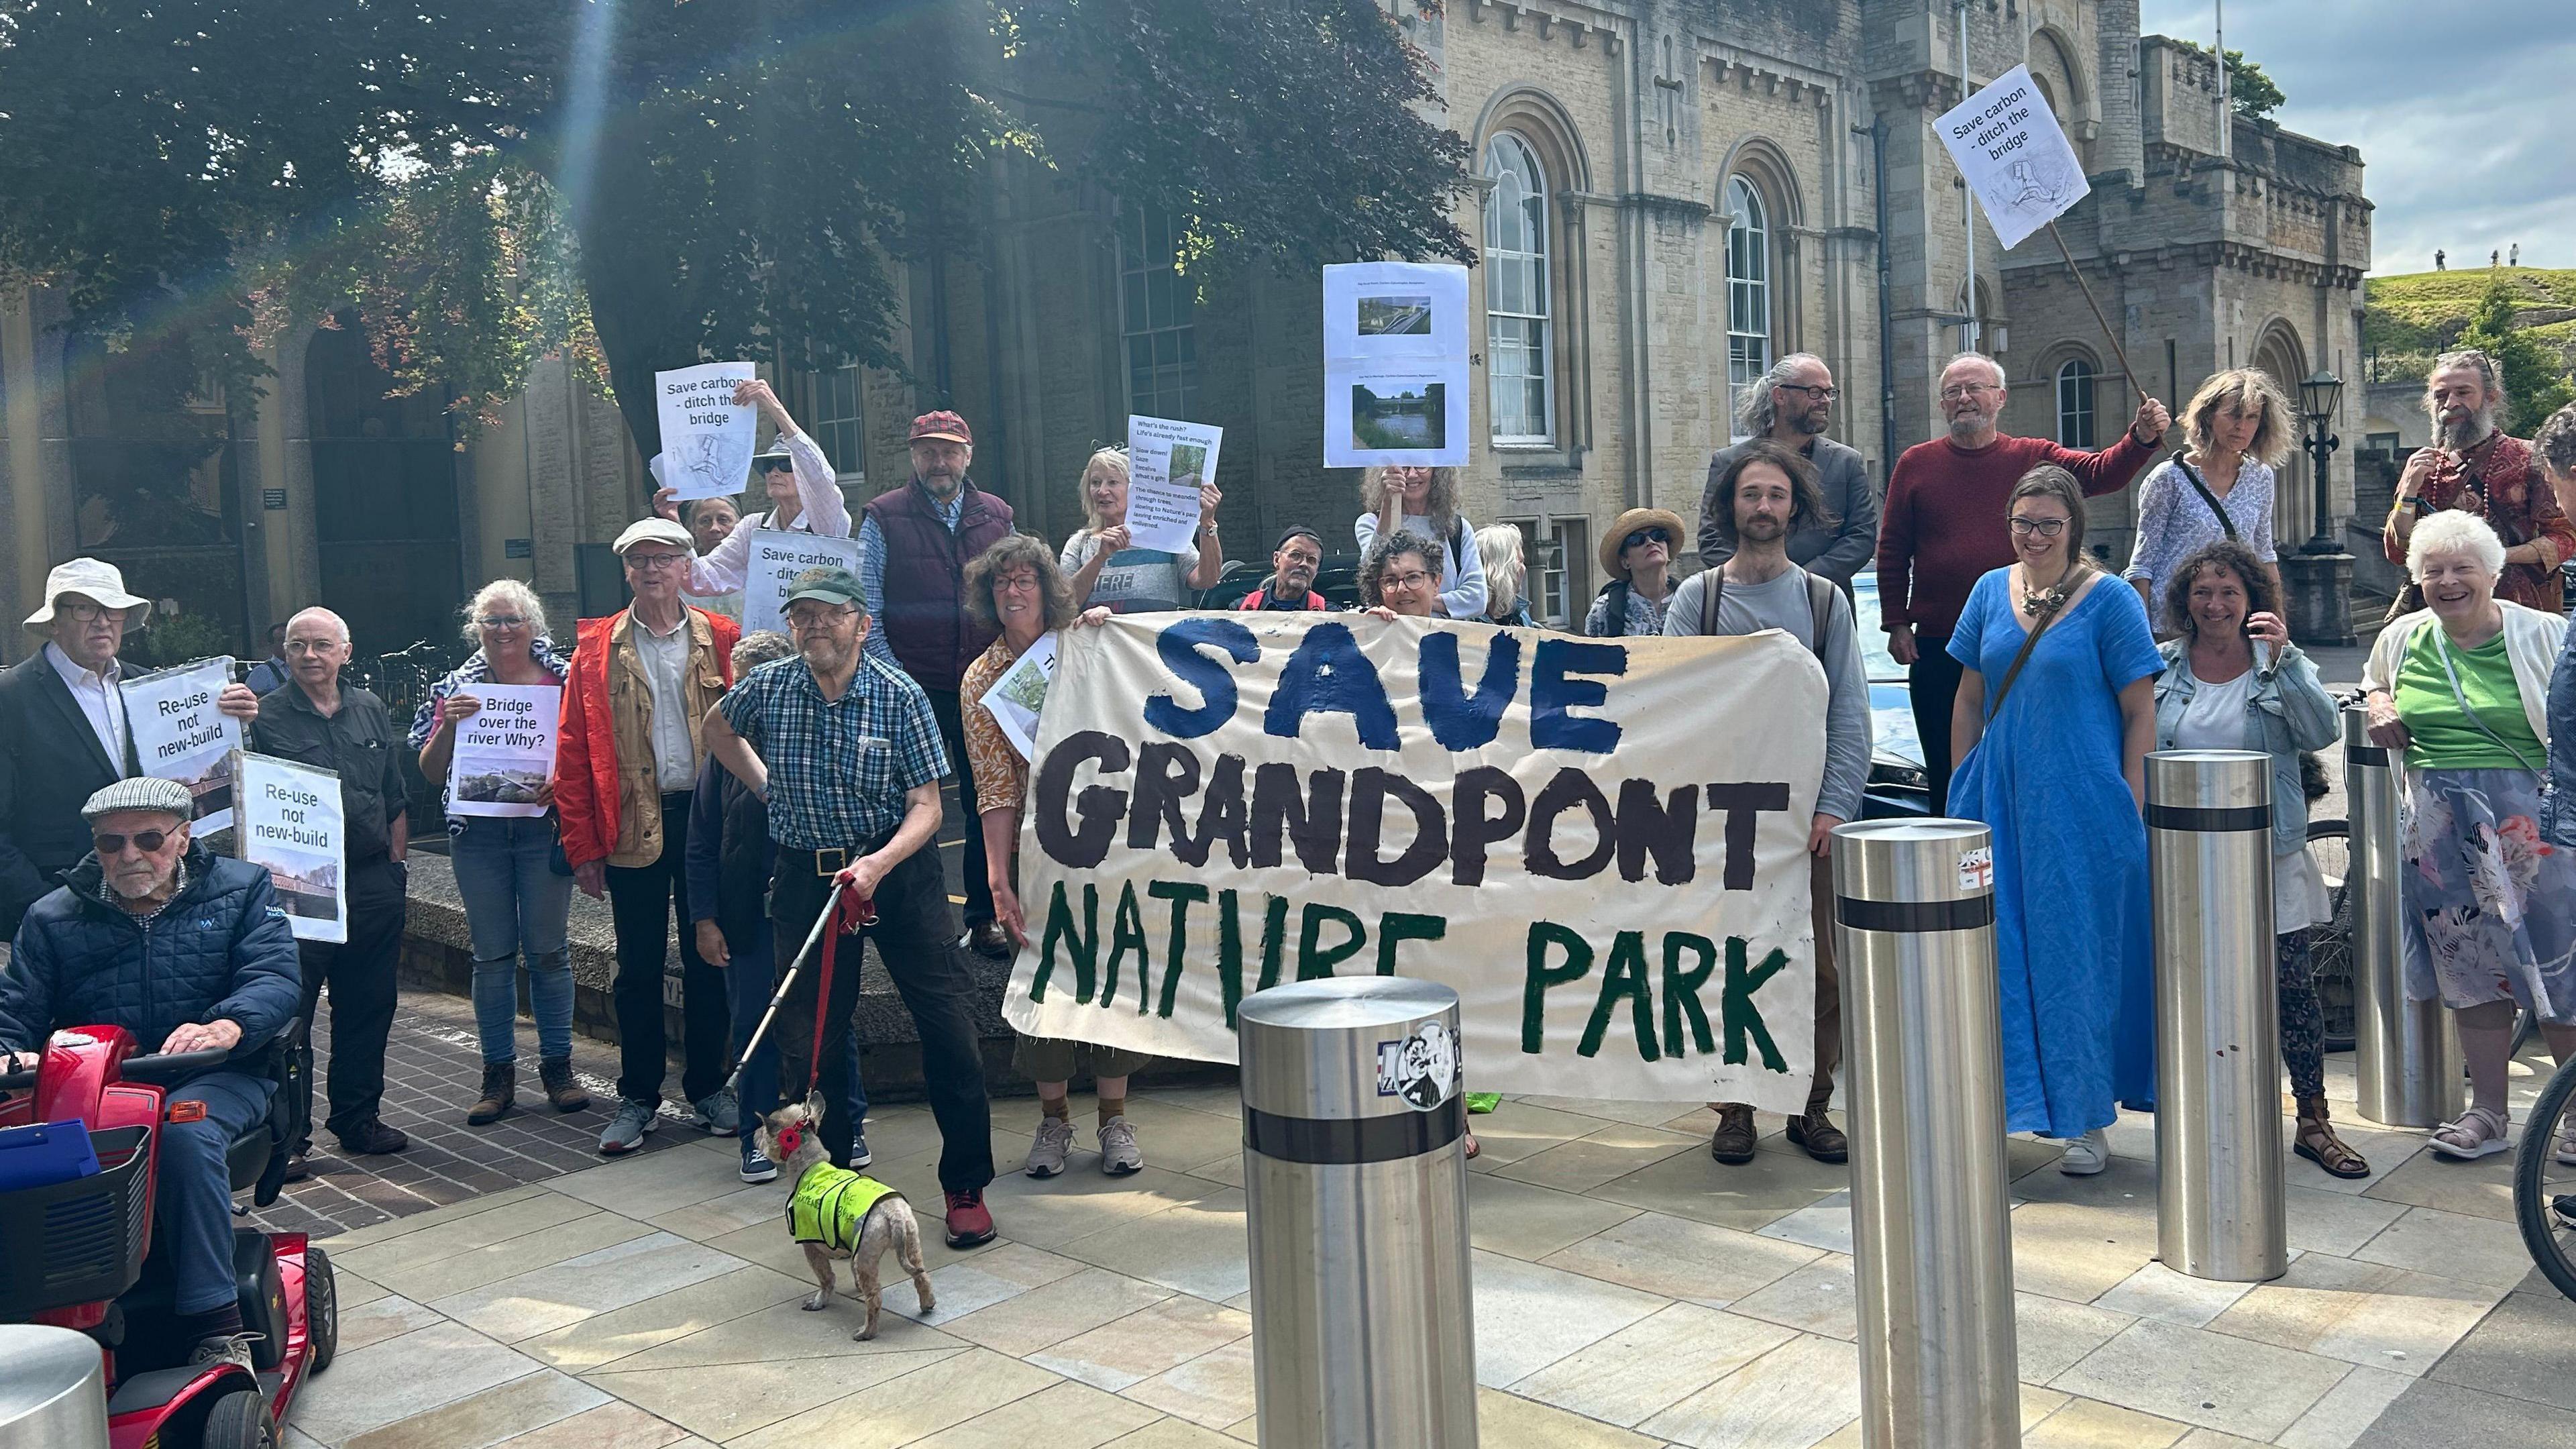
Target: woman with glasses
(804,496)
(1105,569)
(517,892)
(1424,503)
(2050,731)
(1637,554)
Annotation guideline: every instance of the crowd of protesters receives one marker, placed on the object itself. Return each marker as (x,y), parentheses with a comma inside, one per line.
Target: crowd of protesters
(713,787)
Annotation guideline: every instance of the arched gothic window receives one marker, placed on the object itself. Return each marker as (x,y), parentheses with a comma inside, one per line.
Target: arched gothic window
(1748,285)
(2075,404)
(1517,298)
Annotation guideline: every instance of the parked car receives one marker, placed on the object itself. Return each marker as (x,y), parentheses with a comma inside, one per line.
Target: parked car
(1337,579)
(1898,786)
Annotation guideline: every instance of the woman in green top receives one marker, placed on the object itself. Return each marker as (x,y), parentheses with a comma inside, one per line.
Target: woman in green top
(2462,686)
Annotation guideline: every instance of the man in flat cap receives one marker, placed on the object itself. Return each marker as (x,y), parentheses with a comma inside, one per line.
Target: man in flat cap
(219,975)
(63,734)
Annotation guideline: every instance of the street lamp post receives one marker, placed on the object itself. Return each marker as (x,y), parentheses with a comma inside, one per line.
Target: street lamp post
(2318,578)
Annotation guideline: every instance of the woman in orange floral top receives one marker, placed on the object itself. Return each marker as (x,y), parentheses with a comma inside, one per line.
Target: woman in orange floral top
(1016,587)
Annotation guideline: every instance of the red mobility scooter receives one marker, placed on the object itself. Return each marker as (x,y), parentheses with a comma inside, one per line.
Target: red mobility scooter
(78,1253)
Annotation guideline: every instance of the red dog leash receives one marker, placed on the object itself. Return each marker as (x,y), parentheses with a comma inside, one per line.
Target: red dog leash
(850,914)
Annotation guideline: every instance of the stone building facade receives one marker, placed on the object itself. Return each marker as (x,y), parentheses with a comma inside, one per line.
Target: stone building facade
(1669,194)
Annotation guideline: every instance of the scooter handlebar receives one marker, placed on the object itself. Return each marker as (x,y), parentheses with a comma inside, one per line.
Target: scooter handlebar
(171,1064)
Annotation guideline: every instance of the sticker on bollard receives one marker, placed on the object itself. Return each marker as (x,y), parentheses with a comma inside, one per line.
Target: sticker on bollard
(1421,1068)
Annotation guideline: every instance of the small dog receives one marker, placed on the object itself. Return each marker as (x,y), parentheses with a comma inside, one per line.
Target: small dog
(835,1213)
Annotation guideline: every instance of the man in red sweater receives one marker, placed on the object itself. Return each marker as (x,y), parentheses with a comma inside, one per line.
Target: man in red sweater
(1943,528)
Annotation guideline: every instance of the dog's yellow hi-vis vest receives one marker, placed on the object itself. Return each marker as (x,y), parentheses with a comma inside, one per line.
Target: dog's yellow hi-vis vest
(829,1204)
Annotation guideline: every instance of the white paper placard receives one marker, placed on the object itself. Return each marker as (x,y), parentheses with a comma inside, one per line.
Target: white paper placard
(2008,144)
(1167,463)
(1396,369)
(291,822)
(505,750)
(180,735)
(777,556)
(1018,698)
(706,440)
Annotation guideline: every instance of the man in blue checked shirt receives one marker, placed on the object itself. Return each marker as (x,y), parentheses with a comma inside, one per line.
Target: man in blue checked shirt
(853,760)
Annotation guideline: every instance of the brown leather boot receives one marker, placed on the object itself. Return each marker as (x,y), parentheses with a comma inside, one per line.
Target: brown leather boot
(1732,1142)
(500,1089)
(562,1091)
(1817,1133)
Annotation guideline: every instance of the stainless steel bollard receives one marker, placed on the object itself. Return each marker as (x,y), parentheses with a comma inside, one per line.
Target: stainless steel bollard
(2406,1054)
(53,1392)
(1355,1187)
(1931,1231)
(2220,1213)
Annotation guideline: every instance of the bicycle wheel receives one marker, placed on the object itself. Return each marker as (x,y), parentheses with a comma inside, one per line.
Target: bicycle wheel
(2330,945)
(2544,1188)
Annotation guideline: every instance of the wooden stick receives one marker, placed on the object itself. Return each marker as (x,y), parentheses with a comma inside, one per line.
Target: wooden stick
(2116,350)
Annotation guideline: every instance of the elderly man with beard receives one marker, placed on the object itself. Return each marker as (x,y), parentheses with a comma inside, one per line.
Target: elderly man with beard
(846,752)
(1792,405)
(1943,530)
(190,952)
(2477,469)
(1767,496)
(1291,585)
(914,545)
(63,733)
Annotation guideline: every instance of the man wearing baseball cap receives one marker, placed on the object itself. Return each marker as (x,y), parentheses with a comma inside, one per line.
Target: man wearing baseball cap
(844,749)
(63,732)
(625,767)
(914,545)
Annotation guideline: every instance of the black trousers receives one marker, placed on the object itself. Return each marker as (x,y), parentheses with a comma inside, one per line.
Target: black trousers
(643,902)
(952,730)
(917,937)
(1934,679)
(360,973)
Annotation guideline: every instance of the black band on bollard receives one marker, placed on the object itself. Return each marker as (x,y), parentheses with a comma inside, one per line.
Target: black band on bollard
(2365,755)
(2207,819)
(1350,1142)
(1913,917)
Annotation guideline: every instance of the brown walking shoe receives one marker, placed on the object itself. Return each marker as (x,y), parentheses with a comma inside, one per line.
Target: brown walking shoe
(562,1092)
(1817,1133)
(1732,1142)
(500,1089)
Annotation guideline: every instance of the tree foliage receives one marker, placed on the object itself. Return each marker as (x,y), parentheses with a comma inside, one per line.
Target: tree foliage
(641,184)
(2251,93)
(2535,383)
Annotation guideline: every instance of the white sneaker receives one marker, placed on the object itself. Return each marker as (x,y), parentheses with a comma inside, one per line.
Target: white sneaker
(2086,1155)
(1048,1150)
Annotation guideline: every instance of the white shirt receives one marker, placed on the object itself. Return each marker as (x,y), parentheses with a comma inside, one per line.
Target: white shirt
(823,511)
(665,656)
(101,702)
(2214,719)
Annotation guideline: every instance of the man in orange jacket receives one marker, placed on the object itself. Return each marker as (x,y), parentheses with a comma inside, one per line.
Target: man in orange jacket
(628,759)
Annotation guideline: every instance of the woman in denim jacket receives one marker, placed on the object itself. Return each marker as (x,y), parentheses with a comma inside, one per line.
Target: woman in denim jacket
(2234,681)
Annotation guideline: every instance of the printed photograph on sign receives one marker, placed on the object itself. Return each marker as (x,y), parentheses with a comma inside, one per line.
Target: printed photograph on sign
(1407,414)
(1397,364)
(1400,314)
(308,885)
(505,751)
(287,817)
(180,735)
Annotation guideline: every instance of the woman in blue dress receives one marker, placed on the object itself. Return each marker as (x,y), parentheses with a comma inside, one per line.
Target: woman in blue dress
(2056,767)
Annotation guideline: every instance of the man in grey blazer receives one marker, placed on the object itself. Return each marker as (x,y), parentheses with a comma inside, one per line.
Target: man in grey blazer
(1792,405)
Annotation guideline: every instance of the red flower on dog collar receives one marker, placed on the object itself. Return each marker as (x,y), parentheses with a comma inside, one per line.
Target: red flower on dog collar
(789,1139)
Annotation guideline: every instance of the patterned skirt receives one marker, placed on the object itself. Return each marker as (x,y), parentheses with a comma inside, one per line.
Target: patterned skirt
(2490,908)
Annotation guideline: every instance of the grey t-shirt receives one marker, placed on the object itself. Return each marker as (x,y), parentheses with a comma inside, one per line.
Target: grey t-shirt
(1782,604)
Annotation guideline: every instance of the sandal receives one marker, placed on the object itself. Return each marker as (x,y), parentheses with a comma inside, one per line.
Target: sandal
(2477,1133)
(2316,1141)
(2565,1156)
(1473,1146)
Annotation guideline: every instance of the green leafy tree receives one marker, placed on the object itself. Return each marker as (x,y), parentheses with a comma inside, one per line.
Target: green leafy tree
(2535,378)
(2250,92)
(640,184)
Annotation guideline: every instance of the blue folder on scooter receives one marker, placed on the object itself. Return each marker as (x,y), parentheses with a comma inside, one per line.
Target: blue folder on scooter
(44,1154)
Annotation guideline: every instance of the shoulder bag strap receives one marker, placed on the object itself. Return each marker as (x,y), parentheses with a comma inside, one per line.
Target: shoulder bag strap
(2442,644)
(1618,610)
(1708,599)
(2030,641)
(2225,523)
(1820,609)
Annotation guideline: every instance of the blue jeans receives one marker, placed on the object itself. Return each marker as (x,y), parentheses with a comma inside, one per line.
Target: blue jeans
(749,982)
(516,906)
(195,1195)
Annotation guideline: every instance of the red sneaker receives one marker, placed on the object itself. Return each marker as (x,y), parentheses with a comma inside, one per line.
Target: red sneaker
(970,1224)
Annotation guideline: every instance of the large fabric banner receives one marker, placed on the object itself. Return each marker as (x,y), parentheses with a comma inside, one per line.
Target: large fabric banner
(1599,844)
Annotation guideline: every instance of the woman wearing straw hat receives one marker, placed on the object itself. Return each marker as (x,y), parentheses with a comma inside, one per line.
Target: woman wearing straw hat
(1637,554)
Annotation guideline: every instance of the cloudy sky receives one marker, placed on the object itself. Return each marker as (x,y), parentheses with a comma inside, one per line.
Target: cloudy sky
(2461,112)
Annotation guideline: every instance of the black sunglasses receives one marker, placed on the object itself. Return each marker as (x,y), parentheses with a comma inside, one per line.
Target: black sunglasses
(1646,536)
(777,465)
(146,841)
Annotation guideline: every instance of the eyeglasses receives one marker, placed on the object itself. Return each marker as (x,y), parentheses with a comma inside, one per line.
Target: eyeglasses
(1413,580)
(812,619)
(1966,389)
(1826,391)
(85,611)
(1023,582)
(1300,556)
(501,621)
(777,465)
(653,562)
(1645,536)
(2044,527)
(145,842)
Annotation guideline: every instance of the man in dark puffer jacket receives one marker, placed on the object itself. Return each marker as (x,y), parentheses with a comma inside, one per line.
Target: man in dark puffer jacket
(189,952)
